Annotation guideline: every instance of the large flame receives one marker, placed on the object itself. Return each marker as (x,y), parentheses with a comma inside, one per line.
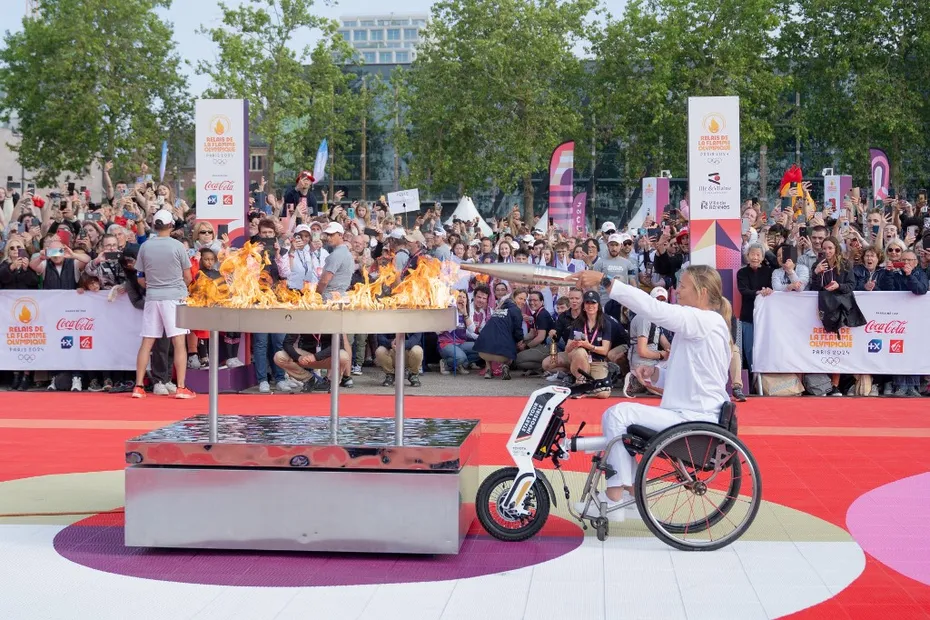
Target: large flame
(429,286)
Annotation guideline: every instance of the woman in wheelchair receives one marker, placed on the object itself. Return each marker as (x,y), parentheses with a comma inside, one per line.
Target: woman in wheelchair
(694,381)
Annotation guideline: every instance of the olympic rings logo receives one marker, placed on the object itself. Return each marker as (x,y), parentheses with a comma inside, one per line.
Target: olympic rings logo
(830,361)
(26,357)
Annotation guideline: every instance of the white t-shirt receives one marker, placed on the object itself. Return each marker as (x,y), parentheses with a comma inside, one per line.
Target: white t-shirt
(695,379)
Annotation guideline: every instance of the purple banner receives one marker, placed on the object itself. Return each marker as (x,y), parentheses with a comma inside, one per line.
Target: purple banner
(561,184)
(579,211)
(881,174)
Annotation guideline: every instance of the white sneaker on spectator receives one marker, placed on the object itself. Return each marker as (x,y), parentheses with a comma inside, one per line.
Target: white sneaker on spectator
(76,384)
(889,389)
(294,383)
(193,362)
(357,370)
(553,376)
(462,370)
(234,362)
(171,387)
(284,386)
(442,367)
(874,390)
(264,388)
(160,389)
(900,392)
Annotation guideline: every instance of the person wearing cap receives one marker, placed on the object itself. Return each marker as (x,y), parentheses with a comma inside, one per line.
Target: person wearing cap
(163,268)
(301,195)
(302,265)
(615,264)
(441,249)
(648,346)
(339,265)
(589,342)
(416,245)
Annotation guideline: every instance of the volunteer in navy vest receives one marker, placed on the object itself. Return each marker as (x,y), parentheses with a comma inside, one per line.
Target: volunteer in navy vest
(59,267)
(497,341)
(163,269)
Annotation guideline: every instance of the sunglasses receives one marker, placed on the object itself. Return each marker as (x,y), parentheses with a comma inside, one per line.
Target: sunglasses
(894,251)
(206,232)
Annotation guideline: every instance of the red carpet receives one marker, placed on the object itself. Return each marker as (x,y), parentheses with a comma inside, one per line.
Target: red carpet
(817,455)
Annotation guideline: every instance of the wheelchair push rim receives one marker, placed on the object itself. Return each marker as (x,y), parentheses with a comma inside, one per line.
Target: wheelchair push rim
(698,488)
(502,523)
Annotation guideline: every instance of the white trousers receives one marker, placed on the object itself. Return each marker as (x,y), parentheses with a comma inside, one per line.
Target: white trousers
(616,420)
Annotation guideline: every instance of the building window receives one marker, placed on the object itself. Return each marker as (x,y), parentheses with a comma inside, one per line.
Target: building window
(410,33)
(369,58)
(360,35)
(345,34)
(377,35)
(368,23)
(385,57)
(350,24)
(257,163)
(393,45)
(393,34)
(402,57)
(419,22)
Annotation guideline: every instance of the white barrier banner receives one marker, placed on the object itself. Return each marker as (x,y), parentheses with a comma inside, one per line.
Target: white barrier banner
(788,336)
(62,330)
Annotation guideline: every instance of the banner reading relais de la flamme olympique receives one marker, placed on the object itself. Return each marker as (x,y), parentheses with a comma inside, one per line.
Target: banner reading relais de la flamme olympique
(222,157)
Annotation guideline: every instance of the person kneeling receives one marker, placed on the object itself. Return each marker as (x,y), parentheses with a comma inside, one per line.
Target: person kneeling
(295,359)
(413,357)
(590,343)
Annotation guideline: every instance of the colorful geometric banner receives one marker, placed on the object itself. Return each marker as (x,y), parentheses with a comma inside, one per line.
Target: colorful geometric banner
(561,184)
(579,214)
(881,174)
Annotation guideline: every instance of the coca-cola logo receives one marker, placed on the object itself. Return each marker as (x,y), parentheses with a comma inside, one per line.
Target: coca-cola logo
(222,186)
(888,327)
(83,324)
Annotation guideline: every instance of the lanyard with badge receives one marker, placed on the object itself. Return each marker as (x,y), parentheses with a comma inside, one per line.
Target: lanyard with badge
(590,338)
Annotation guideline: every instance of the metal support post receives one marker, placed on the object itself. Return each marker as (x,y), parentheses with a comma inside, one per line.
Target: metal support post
(214,385)
(335,376)
(399,362)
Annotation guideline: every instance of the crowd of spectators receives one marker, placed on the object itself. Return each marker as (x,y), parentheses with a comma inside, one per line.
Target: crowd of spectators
(561,334)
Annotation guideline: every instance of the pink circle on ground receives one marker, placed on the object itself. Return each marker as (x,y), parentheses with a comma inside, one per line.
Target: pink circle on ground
(98,544)
(890,523)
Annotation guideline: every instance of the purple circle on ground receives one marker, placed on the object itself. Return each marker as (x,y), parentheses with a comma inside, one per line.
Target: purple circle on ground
(101,547)
(890,523)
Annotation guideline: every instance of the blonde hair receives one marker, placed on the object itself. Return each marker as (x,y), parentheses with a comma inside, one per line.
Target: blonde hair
(707,280)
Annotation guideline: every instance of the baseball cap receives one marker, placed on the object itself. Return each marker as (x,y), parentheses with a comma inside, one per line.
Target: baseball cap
(439,232)
(415,235)
(659,292)
(527,239)
(334,228)
(682,233)
(615,238)
(608,226)
(305,174)
(397,233)
(164,216)
(591,296)
(303,228)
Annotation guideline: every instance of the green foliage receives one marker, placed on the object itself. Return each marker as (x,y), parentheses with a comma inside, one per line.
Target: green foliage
(296,97)
(493,90)
(94,79)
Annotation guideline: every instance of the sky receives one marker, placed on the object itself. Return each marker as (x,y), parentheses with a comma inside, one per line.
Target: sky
(189,15)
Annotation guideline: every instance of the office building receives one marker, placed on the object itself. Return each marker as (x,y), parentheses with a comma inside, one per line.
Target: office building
(384,39)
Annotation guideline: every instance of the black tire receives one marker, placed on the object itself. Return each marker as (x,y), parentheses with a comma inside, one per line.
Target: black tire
(663,530)
(487,513)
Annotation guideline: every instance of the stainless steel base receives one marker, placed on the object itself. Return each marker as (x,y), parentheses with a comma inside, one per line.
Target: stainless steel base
(300,510)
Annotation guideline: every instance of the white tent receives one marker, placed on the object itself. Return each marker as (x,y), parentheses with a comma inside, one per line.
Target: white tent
(466,211)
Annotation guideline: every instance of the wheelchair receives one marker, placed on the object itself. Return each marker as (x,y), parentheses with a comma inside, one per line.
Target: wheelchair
(697,486)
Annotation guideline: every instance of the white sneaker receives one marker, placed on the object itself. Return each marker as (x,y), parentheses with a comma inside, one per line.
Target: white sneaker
(76,384)
(442,367)
(160,389)
(234,362)
(284,386)
(357,370)
(294,383)
(171,387)
(193,362)
(264,388)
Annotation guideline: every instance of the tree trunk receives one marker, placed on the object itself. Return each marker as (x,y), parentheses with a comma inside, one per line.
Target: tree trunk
(269,170)
(528,216)
(364,140)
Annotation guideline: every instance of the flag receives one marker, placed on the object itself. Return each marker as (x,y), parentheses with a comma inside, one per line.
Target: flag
(561,185)
(881,174)
(164,160)
(319,166)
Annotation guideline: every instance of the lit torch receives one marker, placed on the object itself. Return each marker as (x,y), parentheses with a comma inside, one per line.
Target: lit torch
(523,273)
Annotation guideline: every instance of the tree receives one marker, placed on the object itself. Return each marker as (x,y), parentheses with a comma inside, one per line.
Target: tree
(660,52)
(862,68)
(89,79)
(292,94)
(493,91)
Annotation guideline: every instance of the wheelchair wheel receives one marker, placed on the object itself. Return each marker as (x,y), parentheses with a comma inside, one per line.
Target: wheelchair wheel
(698,487)
(503,524)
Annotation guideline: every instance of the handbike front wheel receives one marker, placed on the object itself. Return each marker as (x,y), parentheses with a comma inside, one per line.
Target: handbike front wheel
(504,524)
(698,488)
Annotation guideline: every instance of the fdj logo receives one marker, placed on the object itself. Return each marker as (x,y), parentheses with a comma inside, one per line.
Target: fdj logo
(87,342)
(896,346)
(67,342)
(211,199)
(875,346)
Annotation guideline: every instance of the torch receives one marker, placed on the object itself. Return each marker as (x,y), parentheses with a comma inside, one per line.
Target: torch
(523,273)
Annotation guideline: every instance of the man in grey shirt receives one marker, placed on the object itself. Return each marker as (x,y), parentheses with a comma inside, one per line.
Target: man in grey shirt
(164,270)
(339,265)
(615,265)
